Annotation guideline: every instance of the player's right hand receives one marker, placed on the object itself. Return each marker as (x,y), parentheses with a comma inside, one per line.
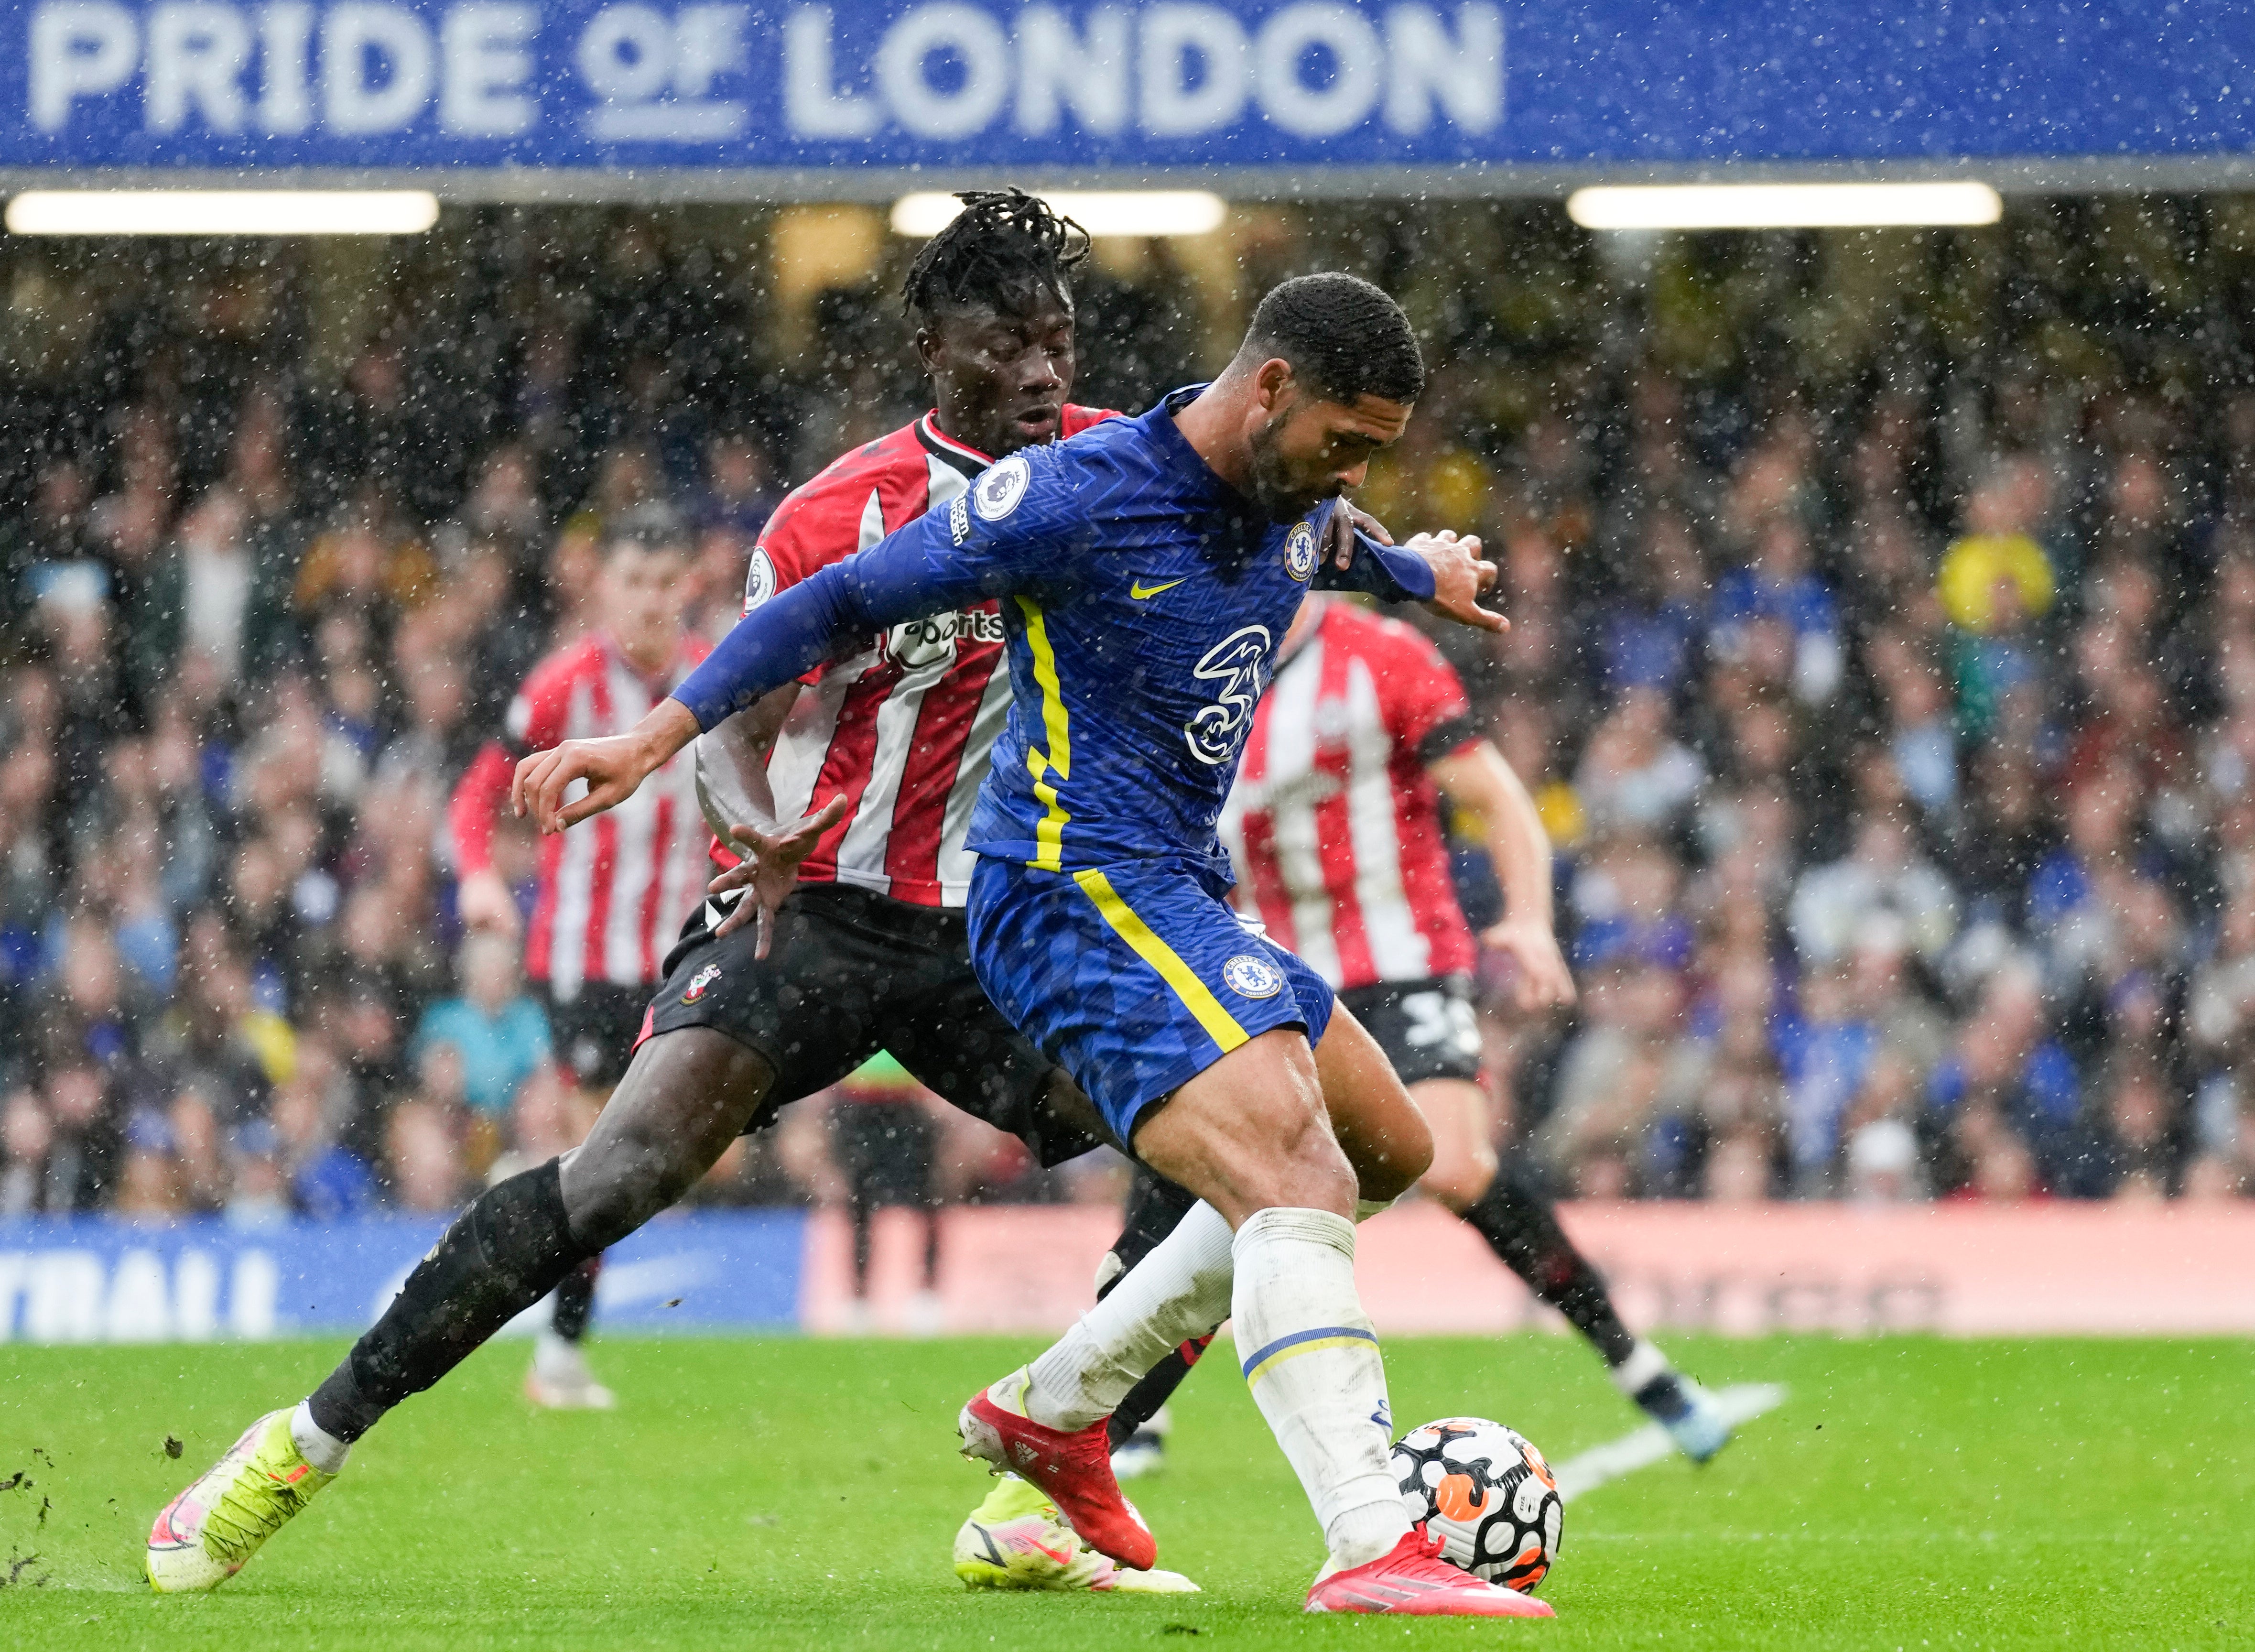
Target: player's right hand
(1541,979)
(612,766)
(768,868)
(1461,576)
(487,905)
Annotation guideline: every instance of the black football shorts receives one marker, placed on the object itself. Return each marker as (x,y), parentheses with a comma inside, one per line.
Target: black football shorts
(594,1030)
(1428,1029)
(851,973)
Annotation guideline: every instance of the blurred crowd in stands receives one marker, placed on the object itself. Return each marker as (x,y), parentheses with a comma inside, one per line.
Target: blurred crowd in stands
(1893,712)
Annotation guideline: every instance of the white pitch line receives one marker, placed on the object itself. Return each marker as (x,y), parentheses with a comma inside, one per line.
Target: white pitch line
(1640,1448)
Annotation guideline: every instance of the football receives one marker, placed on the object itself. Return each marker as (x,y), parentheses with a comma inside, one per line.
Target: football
(1487,1493)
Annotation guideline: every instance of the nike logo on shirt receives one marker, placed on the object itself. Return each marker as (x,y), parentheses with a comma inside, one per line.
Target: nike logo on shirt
(1141,592)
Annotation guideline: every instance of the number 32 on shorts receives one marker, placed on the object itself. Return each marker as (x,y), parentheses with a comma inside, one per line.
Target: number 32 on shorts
(1441,1018)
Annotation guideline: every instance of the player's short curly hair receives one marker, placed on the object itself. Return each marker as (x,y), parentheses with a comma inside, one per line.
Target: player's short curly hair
(1004,249)
(1343,336)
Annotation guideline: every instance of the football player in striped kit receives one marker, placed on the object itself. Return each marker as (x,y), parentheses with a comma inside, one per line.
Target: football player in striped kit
(766,999)
(608,906)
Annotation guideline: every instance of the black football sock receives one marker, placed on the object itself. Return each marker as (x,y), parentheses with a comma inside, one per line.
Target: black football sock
(575,1300)
(1155,1207)
(511,1249)
(864,1216)
(1158,1386)
(1520,1224)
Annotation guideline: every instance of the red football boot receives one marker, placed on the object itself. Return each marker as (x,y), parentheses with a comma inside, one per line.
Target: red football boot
(1412,1580)
(1074,1470)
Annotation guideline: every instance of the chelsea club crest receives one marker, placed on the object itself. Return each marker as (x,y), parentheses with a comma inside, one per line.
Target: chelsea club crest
(1300,551)
(1249,976)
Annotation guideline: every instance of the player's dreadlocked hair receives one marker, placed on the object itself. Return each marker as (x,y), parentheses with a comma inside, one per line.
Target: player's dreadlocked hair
(1341,334)
(1005,249)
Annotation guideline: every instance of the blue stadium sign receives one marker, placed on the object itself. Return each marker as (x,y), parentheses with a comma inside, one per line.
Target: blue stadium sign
(502,98)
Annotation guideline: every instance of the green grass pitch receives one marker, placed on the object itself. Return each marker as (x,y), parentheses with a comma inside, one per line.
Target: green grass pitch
(780,1492)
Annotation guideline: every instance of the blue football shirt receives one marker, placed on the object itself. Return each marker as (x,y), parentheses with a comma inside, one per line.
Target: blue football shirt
(1144,600)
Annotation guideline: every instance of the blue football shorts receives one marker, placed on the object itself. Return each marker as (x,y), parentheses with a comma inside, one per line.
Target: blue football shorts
(1135,977)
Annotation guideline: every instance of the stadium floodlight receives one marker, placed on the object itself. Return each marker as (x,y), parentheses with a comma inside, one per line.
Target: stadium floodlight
(1105,212)
(1781,205)
(223,212)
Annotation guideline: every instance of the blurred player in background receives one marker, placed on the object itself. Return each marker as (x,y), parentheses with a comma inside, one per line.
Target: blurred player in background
(1337,831)
(610,903)
(884,1139)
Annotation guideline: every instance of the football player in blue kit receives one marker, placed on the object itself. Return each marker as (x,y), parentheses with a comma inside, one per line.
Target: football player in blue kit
(1147,569)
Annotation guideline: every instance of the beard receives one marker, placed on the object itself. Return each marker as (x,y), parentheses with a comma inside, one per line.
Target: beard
(1276,492)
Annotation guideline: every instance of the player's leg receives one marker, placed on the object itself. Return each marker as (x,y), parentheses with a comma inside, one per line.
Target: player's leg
(595,1031)
(848,1124)
(1432,1035)
(1517,1218)
(1138,1425)
(1187,1273)
(729,1033)
(687,1095)
(950,1036)
(916,1150)
(1185,1283)
(1223,1096)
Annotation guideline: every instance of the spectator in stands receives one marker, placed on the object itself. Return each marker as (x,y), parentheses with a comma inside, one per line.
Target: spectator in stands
(1883,875)
(1635,772)
(2005,1106)
(739,492)
(1778,587)
(432,1138)
(498,1031)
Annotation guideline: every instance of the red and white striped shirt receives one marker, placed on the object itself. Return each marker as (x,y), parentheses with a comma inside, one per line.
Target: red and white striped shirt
(901,729)
(1334,823)
(615,890)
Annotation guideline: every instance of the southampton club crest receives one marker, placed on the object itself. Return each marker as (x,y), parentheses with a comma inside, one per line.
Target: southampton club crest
(700,982)
(1300,551)
(1250,975)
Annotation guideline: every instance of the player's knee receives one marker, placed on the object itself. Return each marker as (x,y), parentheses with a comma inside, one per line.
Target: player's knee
(1392,1152)
(1312,1173)
(614,1183)
(1461,1171)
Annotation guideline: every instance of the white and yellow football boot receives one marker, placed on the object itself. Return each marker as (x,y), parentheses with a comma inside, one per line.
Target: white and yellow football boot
(1017,1540)
(206,1534)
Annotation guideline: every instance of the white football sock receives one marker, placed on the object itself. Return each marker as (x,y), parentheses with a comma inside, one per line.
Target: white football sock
(323,1450)
(1311,1360)
(1643,1363)
(1179,1291)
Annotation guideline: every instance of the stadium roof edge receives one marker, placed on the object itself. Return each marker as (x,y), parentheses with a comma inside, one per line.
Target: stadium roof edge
(689,186)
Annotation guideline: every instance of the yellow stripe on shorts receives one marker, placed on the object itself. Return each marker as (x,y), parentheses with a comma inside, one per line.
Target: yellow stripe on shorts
(1220,1024)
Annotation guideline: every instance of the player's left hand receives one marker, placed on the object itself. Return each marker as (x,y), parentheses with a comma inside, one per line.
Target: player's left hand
(768,867)
(1542,981)
(1461,576)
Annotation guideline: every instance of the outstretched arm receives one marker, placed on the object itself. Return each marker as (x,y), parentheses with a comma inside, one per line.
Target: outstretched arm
(1476,778)
(942,560)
